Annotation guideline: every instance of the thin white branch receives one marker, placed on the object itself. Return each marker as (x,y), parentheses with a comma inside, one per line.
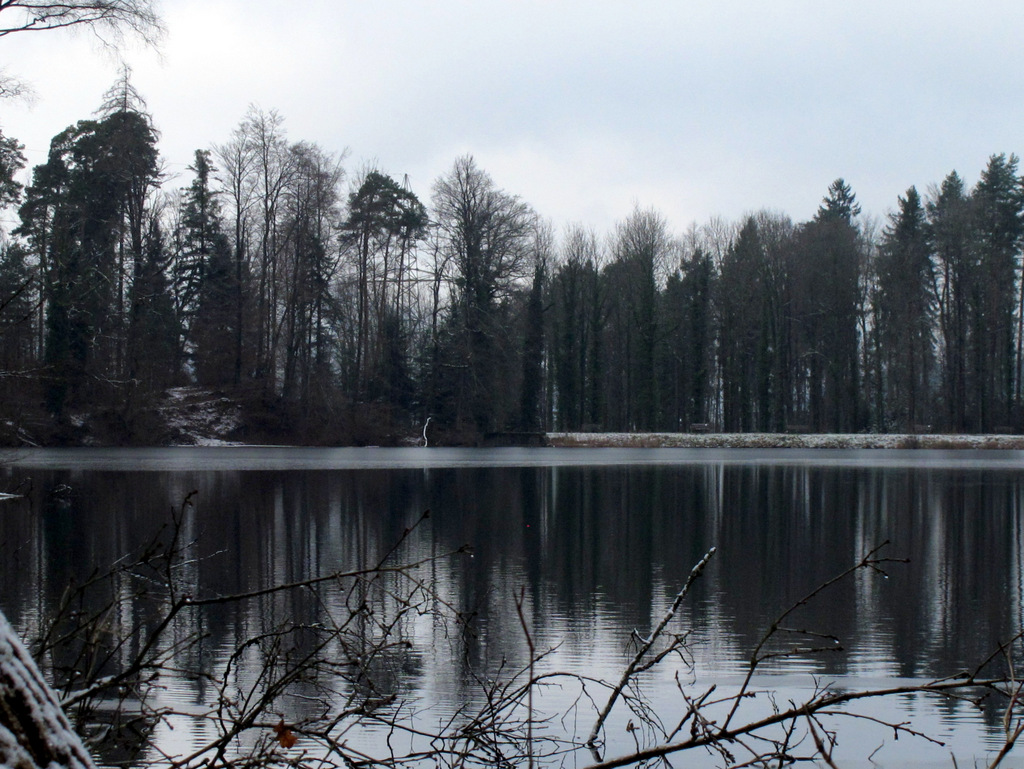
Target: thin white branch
(646,645)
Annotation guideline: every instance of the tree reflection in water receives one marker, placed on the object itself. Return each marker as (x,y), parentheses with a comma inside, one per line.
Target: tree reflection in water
(597,552)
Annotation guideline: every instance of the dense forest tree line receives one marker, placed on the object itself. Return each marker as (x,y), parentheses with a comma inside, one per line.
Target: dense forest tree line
(339,307)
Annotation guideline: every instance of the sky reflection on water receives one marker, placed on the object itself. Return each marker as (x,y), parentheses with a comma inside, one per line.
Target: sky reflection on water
(244,458)
(599,546)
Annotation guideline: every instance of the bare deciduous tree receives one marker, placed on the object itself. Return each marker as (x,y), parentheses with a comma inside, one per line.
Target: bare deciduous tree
(487,233)
(109,19)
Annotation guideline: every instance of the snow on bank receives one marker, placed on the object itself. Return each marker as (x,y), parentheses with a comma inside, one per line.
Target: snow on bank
(783,441)
(199,417)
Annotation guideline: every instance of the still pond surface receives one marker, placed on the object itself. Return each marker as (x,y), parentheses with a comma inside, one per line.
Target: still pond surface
(597,543)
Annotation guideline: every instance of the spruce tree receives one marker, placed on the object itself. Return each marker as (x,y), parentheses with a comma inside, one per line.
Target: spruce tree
(905,300)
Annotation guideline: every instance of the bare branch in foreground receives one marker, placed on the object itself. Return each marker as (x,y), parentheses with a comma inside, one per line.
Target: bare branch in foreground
(646,645)
(325,681)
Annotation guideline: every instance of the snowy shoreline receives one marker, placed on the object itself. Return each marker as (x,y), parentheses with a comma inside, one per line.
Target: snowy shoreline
(784,441)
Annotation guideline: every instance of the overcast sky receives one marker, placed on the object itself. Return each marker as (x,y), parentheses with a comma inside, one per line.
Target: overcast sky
(696,108)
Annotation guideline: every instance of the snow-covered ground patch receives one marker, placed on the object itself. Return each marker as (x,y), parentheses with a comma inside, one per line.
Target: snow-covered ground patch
(199,417)
(784,441)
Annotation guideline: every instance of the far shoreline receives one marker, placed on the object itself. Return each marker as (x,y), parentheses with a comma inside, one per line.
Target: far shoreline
(785,441)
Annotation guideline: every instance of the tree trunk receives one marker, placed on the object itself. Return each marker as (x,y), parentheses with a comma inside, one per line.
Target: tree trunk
(34,732)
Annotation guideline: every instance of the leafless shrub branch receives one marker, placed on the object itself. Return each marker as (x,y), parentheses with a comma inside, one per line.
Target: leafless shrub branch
(341,676)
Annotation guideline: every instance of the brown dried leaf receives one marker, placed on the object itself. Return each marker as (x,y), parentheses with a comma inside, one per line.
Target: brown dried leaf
(285,736)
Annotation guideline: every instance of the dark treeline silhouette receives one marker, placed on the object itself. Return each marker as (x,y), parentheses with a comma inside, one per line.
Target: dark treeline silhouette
(339,307)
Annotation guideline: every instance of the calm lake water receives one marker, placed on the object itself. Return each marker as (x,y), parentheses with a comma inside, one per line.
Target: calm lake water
(596,541)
